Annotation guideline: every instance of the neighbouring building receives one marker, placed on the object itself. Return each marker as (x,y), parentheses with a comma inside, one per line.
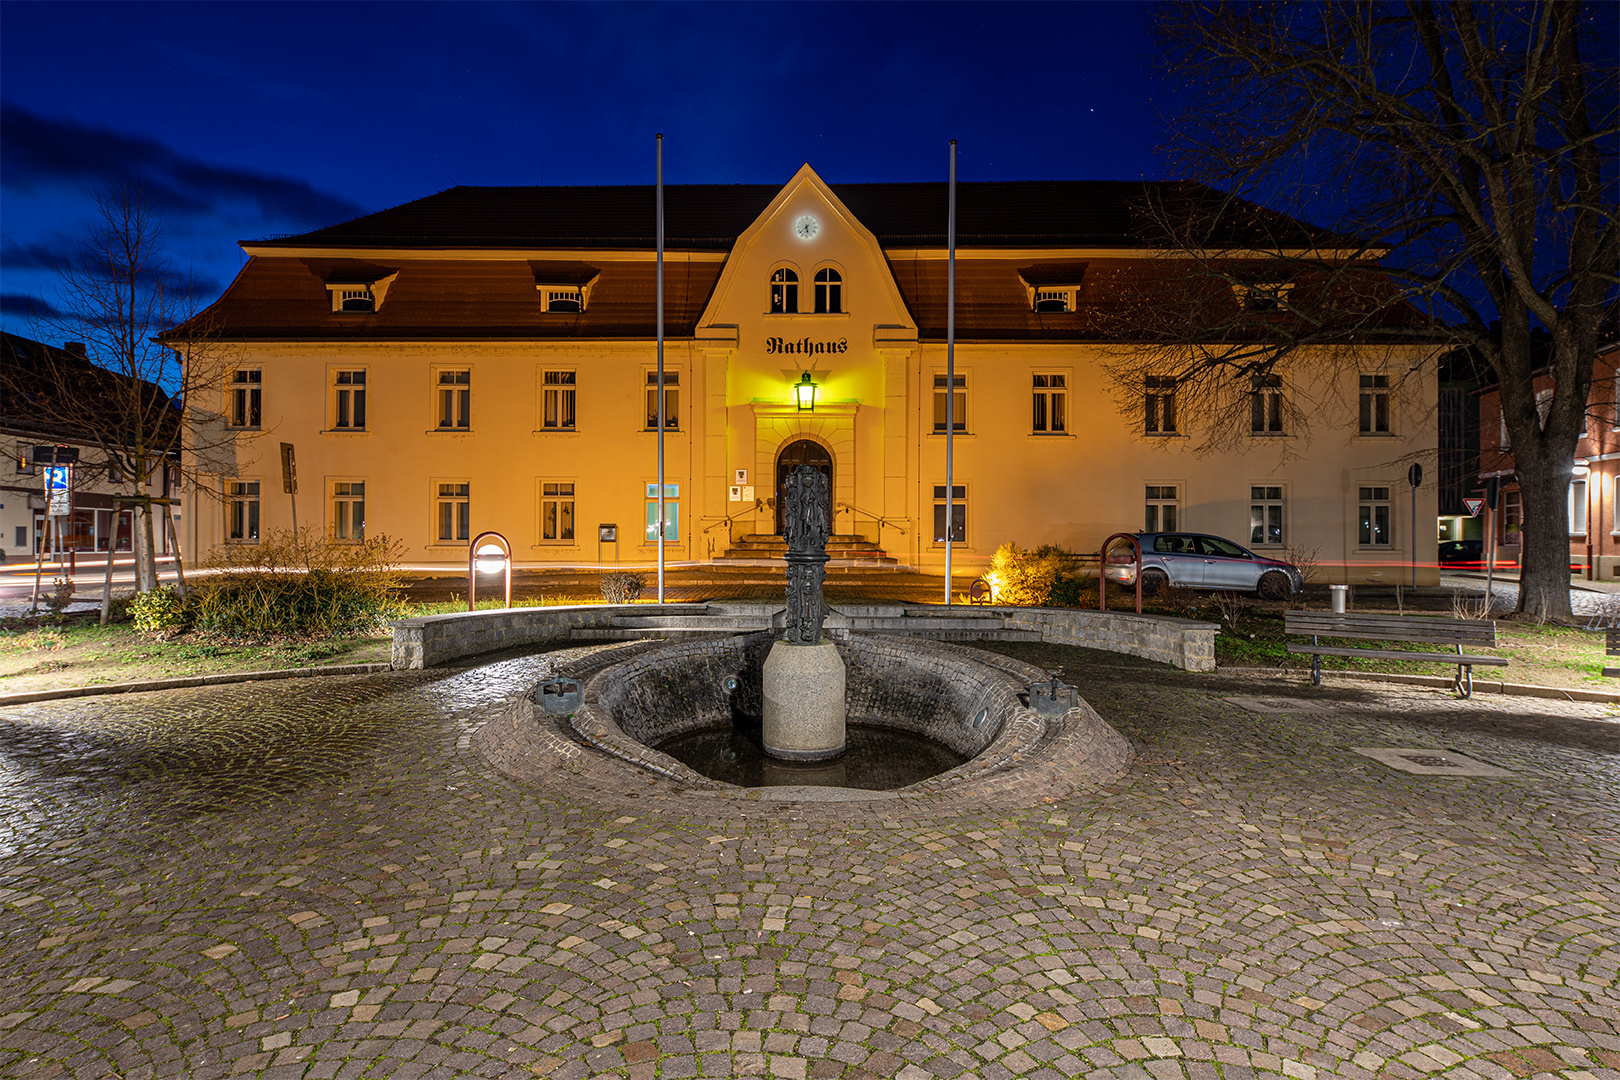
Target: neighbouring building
(485,358)
(1594,482)
(34,377)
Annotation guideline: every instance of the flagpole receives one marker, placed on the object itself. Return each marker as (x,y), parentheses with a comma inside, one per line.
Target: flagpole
(950,368)
(660,387)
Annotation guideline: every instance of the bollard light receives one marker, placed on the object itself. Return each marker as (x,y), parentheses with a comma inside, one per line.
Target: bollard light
(489,553)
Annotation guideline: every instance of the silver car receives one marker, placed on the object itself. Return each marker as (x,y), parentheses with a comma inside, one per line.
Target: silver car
(1196,561)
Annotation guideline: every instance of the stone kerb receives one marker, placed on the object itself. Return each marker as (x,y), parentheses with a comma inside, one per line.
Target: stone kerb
(1182,643)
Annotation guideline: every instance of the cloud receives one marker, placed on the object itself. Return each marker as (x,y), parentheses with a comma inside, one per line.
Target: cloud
(35,256)
(38,152)
(30,306)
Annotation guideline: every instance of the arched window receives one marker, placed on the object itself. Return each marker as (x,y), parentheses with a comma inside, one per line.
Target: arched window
(829,291)
(784,292)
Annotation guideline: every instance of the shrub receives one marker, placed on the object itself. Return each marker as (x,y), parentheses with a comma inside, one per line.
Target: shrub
(297,583)
(622,588)
(60,596)
(1032,578)
(159,610)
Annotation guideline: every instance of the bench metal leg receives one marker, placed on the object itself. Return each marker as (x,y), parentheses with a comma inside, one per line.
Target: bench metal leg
(1316,669)
(1465,680)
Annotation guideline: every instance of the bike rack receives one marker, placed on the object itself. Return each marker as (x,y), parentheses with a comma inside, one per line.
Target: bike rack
(1102,570)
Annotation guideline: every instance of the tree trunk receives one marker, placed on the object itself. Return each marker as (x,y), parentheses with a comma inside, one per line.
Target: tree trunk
(145,551)
(1544,569)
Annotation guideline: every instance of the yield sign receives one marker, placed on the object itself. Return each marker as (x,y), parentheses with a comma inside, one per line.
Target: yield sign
(1474,506)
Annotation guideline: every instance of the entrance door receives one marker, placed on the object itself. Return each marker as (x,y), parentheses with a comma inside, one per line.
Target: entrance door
(794,454)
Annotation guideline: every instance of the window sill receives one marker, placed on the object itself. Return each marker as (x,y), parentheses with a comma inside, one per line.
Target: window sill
(942,434)
(450,431)
(244,427)
(1051,435)
(667,431)
(1376,435)
(346,431)
(459,546)
(806,314)
(1163,435)
(558,431)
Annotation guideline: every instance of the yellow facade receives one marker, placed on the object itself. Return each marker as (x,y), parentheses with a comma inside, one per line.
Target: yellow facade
(734,414)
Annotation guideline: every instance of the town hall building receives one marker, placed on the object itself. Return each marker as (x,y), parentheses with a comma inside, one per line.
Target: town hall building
(485,358)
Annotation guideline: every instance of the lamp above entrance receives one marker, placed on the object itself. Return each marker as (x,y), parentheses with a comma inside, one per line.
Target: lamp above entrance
(804,392)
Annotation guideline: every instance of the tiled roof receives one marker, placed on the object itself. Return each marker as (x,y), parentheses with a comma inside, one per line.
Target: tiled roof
(710,217)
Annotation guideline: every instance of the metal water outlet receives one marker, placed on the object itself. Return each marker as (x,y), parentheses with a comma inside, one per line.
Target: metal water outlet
(1051,697)
(561,697)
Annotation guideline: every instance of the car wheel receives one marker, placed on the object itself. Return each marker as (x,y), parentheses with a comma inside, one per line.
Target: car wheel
(1273,586)
(1152,582)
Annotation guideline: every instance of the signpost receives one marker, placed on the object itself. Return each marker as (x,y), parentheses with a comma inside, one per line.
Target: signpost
(1414,476)
(289,479)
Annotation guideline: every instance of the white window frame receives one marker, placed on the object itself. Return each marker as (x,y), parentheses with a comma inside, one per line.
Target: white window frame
(828,291)
(1059,299)
(550,495)
(1370,499)
(347,525)
(1512,513)
(1579,503)
(1161,510)
(1263,295)
(244,510)
(1267,412)
(452,401)
(672,394)
(451,492)
(938,398)
(959,504)
(1373,392)
(559,399)
(375,291)
(247,399)
(1265,498)
(345,396)
(784,290)
(552,295)
(1049,402)
(1159,406)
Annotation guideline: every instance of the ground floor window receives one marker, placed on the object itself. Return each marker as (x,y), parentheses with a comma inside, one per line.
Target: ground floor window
(453,509)
(242,511)
(958,530)
(349,510)
(556,511)
(672,513)
(1577,506)
(1266,516)
(1512,517)
(1373,516)
(1163,508)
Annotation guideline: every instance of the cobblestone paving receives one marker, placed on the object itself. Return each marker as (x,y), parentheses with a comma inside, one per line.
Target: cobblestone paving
(320,878)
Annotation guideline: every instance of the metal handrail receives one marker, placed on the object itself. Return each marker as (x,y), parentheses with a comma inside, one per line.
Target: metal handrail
(882,521)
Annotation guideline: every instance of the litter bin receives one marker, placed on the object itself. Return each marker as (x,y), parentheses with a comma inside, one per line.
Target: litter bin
(1336,598)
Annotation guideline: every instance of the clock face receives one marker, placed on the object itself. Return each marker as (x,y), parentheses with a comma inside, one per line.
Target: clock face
(806,226)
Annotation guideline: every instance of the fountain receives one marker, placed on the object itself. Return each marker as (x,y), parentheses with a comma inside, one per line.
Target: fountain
(804,676)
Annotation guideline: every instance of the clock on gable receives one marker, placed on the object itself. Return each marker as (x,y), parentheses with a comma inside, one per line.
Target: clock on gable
(805,227)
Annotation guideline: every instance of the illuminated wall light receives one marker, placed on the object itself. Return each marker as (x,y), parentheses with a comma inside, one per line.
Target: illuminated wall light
(804,392)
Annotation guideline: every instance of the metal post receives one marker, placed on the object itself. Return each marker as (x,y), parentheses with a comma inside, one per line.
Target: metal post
(950,367)
(660,387)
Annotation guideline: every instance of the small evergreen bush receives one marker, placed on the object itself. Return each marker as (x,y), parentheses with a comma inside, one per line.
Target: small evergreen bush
(1048,575)
(159,611)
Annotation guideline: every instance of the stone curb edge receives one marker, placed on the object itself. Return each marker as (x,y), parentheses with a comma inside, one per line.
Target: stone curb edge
(26,696)
(1481,686)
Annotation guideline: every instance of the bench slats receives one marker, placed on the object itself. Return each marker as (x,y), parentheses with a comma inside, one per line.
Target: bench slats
(1478,633)
(1611,641)
(1396,654)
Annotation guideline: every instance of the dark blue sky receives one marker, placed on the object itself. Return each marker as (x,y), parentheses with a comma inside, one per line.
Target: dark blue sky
(249,120)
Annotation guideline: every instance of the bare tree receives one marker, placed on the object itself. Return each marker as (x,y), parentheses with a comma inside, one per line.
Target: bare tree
(1465,156)
(124,391)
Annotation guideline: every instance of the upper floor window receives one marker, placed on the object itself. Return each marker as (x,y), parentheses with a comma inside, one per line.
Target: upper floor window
(455,400)
(672,401)
(557,401)
(567,298)
(1374,418)
(356,300)
(1266,406)
(1159,401)
(245,397)
(360,295)
(1051,404)
(829,291)
(784,292)
(349,400)
(956,402)
(1264,296)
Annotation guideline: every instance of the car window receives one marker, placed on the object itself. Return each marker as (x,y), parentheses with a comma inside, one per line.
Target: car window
(1214,545)
(1169,544)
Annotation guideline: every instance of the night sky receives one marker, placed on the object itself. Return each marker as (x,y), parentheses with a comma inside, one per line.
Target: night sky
(253,120)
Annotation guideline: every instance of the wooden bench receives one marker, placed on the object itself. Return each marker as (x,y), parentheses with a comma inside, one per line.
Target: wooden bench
(1421,629)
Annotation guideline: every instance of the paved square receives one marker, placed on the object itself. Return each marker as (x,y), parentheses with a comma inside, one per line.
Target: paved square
(324,878)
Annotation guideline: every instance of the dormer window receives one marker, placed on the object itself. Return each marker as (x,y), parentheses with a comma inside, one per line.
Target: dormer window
(829,291)
(785,292)
(1264,295)
(359,296)
(562,298)
(1050,300)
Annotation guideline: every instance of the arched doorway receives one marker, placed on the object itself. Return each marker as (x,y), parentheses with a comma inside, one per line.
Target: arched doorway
(803,452)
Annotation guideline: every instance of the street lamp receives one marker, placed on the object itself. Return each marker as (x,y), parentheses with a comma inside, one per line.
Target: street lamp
(489,553)
(804,392)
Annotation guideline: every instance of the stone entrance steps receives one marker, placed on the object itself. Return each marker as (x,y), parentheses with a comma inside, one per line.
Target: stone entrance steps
(960,624)
(847,550)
